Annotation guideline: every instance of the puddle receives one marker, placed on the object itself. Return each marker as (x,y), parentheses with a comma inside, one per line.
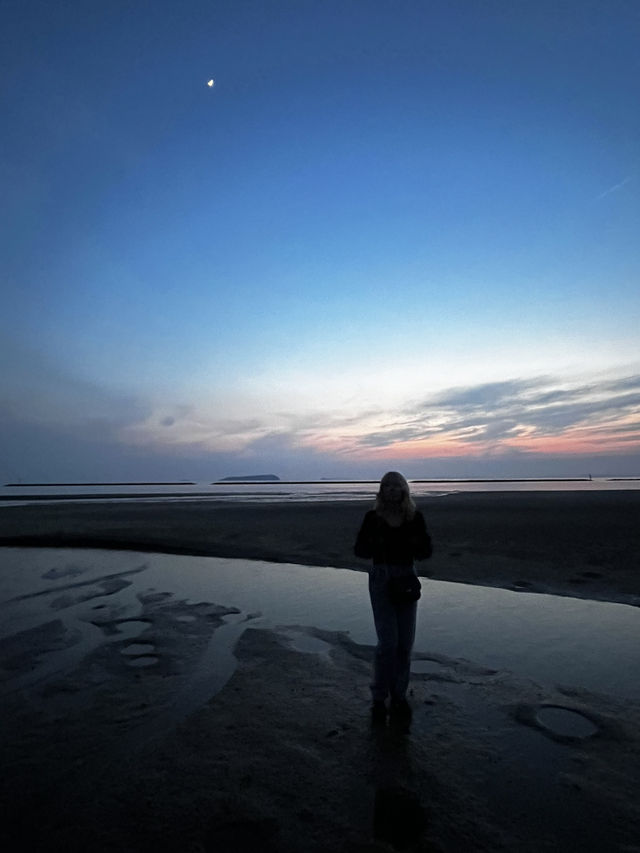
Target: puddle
(131,628)
(303,642)
(565,722)
(549,639)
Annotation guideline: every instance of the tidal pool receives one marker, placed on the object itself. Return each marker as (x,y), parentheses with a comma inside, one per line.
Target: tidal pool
(566,722)
(550,639)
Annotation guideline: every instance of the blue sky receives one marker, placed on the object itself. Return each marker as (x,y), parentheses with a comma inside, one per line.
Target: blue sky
(380,212)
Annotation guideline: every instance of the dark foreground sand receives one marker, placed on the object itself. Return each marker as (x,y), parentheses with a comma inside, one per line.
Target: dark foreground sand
(585,544)
(283,759)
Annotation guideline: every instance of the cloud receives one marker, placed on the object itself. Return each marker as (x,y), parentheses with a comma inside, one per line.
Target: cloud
(534,415)
(515,413)
(615,187)
(485,395)
(52,421)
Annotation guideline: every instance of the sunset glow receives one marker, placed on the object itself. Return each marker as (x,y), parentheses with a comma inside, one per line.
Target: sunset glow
(386,240)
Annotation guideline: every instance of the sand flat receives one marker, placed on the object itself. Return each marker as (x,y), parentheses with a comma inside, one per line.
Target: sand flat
(110,757)
(143,737)
(584,544)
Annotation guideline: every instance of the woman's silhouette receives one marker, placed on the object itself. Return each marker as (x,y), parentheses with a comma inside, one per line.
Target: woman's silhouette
(393,535)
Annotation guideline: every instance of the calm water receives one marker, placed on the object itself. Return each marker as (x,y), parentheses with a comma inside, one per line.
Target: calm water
(303,491)
(552,640)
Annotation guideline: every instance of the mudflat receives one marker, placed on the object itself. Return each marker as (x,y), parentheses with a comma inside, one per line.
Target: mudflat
(145,712)
(137,717)
(583,544)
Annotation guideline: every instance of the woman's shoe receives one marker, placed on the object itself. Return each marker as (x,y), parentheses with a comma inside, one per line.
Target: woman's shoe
(378,713)
(401,710)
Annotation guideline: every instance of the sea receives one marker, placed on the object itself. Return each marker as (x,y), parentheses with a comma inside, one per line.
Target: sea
(282,490)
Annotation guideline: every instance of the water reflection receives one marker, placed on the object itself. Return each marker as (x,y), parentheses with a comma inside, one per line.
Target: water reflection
(557,640)
(565,722)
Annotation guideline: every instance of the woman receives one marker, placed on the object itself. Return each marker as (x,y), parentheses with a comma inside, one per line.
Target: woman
(393,535)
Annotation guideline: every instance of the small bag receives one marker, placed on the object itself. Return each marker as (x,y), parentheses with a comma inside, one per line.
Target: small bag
(403,589)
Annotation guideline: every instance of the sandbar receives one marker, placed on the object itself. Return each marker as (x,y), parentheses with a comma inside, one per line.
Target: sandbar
(583,544)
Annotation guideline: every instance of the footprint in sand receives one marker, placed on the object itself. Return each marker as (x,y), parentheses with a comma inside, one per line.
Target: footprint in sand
(558,722)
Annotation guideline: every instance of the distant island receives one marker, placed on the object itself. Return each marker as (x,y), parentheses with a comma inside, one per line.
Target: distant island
(251,478)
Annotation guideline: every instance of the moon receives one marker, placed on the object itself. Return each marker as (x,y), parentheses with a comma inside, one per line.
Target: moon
(211,84)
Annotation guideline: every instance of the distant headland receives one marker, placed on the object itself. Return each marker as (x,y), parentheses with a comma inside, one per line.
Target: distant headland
(251,478)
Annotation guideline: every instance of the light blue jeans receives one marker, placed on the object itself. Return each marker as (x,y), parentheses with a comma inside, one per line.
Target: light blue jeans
(396,631)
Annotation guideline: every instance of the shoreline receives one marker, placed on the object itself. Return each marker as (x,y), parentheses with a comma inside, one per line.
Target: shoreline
(240,481)
(580,544)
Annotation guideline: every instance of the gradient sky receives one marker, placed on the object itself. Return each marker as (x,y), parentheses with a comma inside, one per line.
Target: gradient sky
(394,233)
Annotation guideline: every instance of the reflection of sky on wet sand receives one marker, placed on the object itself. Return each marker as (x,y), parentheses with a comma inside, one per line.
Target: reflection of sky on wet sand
(557,640)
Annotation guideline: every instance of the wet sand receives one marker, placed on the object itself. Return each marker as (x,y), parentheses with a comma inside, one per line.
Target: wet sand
(283,757)
(584,544)
(129,748)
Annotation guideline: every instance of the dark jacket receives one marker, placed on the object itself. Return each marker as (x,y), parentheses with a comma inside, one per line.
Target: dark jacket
(398,546)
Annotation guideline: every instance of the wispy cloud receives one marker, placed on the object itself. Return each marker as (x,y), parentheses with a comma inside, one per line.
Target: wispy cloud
(46,415)
(532,415)
(615,187)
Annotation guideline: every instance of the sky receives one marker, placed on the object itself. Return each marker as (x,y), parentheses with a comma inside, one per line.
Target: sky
(393,234)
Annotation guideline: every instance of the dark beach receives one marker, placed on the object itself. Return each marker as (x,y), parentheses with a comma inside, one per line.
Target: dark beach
(584,544)
(282,757)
